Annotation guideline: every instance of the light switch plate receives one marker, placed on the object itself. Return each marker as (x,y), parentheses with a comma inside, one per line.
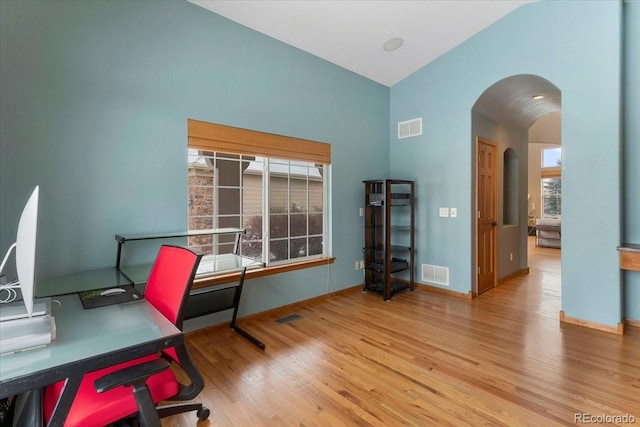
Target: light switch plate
(444,212)
(454,212)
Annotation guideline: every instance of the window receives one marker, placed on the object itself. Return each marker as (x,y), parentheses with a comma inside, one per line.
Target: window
(296,209)
(551,182)
(551,197)
(551,157)
(277,194)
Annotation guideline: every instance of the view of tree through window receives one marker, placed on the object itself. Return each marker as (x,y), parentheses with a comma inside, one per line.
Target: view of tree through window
(236,190)
(551,197)
(295,209)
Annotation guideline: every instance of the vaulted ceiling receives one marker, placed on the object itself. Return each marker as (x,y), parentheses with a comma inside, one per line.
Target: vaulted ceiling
(351,33)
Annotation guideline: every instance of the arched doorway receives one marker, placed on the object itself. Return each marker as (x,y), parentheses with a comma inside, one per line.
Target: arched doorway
(502,115)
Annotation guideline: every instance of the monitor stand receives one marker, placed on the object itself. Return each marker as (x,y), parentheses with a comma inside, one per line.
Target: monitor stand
(17,310)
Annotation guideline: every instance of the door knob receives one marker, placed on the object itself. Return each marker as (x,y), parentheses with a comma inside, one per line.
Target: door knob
(493,224)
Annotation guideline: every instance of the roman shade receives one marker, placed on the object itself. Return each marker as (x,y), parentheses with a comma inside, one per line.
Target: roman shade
(221,138)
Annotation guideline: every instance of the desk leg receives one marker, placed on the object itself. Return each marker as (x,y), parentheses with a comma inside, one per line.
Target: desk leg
(236,304)
(28,409)
(63,406)
(248,336)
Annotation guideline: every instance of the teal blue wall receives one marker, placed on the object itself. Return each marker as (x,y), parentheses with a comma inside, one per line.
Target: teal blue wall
(631,152)
(577,47)
(95,97)
(94,108)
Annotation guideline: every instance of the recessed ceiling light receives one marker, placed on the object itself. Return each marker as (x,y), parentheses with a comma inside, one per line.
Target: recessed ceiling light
(536,97)
(393,44)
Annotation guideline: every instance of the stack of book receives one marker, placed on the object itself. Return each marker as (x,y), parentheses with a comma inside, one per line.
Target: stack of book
(19,332)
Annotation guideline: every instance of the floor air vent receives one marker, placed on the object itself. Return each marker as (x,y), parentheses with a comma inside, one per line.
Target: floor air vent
(435,274)
(410,128)
(288,319)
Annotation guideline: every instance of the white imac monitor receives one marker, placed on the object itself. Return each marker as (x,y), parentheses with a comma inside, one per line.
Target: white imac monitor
(25,246)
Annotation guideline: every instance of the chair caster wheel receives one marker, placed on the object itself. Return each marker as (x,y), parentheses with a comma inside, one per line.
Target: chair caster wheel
(203,413)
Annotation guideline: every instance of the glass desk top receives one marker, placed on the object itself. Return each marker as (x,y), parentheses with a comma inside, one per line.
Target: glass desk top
(83,334)
(212,231)
(83,281)
(209,265)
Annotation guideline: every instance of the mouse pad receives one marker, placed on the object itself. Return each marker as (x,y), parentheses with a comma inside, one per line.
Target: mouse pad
(93,299)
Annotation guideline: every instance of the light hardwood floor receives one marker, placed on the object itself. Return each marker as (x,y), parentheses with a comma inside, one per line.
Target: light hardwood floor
(421,359)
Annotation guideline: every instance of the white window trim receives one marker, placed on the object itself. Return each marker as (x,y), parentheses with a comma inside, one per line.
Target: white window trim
(265,209)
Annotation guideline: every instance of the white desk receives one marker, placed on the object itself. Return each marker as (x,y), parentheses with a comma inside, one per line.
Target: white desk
(87,340)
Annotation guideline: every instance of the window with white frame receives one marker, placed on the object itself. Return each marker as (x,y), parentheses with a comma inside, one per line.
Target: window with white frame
(551,197)
(551,157)
(551,182)
(296,209)
(281,203)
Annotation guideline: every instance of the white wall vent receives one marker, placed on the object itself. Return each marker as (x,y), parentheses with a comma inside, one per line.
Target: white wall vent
(410,128)
(435,274)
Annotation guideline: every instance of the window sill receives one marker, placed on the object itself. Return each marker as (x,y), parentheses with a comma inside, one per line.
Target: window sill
(259,272)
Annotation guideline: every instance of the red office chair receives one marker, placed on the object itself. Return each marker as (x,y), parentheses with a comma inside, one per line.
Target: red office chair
(135,387)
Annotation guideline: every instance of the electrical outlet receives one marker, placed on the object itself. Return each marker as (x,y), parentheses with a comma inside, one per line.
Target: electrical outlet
(511,256)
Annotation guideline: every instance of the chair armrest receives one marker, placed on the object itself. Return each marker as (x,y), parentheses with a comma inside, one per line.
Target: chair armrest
(130,375)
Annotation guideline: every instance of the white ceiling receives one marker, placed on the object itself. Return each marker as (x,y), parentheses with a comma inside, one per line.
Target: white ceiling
(351,33)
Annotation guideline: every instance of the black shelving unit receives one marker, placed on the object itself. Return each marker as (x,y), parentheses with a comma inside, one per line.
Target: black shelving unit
(389,236)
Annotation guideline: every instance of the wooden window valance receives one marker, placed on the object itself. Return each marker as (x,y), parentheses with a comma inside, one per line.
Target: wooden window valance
(228,139)
(551,173)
